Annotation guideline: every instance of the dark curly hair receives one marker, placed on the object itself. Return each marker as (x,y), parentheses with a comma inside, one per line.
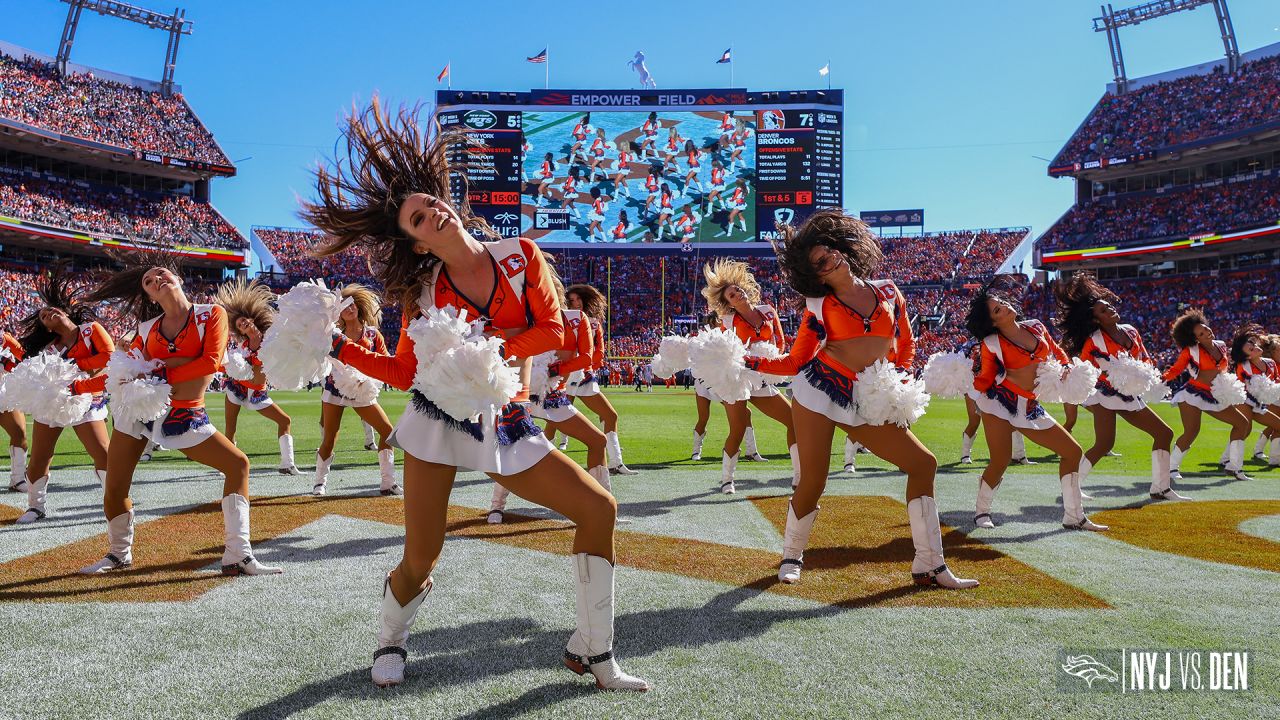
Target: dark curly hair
(1076,297)
(1184,328)
(831,228)
(56,291)
(593,301)
(978,321)
(1251,332)
(125,285)
(388,158)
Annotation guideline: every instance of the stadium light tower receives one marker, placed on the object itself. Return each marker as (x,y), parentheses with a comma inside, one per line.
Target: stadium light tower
(1112,20)
(176,24)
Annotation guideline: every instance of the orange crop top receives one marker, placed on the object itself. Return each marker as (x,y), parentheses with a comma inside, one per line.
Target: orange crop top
(1246,370)
(1092,351)
(206,346)
(15,349)
(770,329)
(577,339)
(523,297)
(827,319)
(999,354)
(597,344)
(91,351)
(1202,359)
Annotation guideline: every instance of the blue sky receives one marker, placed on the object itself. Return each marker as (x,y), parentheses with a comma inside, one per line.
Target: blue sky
(947,103)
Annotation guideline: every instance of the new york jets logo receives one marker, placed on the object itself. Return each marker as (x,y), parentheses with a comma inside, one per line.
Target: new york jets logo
(480,119)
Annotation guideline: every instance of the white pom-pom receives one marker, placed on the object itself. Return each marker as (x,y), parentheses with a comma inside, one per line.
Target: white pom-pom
(1049,381)
(296,347)
(1079,381)
(539,379)
(460,370)
(576,377)
(1130,376)
(1266,390)
(672,357)
(6,398)
(41,387)
(438,330)
(353,384)
(1157,393)
(888,395)
(717,359)
(1228,390)
(948,374)
(236,365)
(768,351)
(136,396)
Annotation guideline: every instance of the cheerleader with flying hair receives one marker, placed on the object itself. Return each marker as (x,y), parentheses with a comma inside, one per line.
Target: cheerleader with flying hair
(592,304)
(358,323)
(14,422)
(1251,361)
(390,196)
(1201,360)
(1091,330)
(186,341)
(850,323)
(68,327)
(581,131)
(652,189)
(1011,351)
(249,315)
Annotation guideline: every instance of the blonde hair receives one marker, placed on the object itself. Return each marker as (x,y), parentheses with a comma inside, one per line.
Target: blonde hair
(246,299)
(724,273)
(368,304)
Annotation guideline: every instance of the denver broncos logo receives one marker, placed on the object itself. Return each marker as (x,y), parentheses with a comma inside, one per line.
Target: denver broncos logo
(513,264)
(1088,669)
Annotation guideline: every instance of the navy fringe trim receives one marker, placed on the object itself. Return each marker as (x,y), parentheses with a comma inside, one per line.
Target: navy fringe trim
(816,327)
(1006,397)
(515,424)
(433,411)
(180,421)
(835,386)
(1200,392)
(556,399)
(99,401)
(1105,388)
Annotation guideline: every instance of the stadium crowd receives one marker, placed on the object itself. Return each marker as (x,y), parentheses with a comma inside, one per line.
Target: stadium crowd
(104,111)
(291,249)
(163,219)
(1176,112)
(1133,218)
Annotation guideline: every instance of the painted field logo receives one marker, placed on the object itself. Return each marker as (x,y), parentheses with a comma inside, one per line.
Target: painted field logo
(1088,669)
(1134,671)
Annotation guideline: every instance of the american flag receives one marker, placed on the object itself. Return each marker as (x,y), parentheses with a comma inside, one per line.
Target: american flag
(539,58)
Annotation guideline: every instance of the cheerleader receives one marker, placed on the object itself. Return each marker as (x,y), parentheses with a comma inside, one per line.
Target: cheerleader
(649,136)
(592,304)
(622,168)
(525,148)
(738,144)
(1092,331)
(717,187)
(619,231)
(359,324)
(1251,360)
(665,210)
(693,157)
(970,431)
(737,205)
(849,323)
(1011,351)
(734,295)
(652,189)
(249,314)
(599,146)
(727,126)
(556,405)
(1271,351)
(14,422)
(544,176)
(187,341)
(581,131)
(595,215)
(671,150)
(686,226)
(1203,358)
(569,192)
(396,207)
(66,326)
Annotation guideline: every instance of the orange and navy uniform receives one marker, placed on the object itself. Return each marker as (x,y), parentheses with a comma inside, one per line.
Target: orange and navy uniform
(598,147)
(537,308)
(624,161)
(888,319)
(577,345)
(1201,359)
(770,329)
(1246,370)
(651,184)
(1013,357)
(1093,353)
(90,352)
(597,345)
(580,131)
(15,349)
(695,159)
(547,170)
(597,206)
(569,186)
(620,230)
(204,352)
(739,197)
(717,177)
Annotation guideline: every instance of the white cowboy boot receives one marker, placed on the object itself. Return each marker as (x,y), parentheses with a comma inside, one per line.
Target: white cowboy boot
(1086,467)
(850,456)
(966,448)
(928,567)
(1160,486)
(590,648)
(601,474)
(750,452)
(1073,517)
(1273,455)
(17,469)
(119,546)
(728,465)
(613,450)
(237,558)
(286,456)
(370,442)
(982,511)
(1260,447)
(497,504)
(322,473)
(1020,450)
(387,473)
(795,538)
(697,444)
(394,622)
(1235,461)
(1175,462)
(794,451)
(37,493)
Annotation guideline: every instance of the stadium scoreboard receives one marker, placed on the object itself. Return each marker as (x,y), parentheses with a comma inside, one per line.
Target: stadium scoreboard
(715,167)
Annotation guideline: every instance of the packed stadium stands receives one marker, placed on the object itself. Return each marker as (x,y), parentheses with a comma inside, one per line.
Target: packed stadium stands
(113,113)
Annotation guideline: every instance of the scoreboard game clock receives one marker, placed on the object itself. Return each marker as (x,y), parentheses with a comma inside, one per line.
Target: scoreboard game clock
(716,167)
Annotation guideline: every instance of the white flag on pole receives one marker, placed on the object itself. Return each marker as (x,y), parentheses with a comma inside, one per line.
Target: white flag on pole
(824,69)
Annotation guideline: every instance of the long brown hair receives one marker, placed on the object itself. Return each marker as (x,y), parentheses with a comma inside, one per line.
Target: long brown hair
(388,158)
(368,304)
(125,285)
(831,228)
(57,291)
(1075,298)
(248,299)
(593,301)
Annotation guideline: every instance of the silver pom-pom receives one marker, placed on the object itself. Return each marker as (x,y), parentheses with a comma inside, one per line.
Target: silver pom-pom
(672,357)
(236,364)
(1130,376)
(1228,390)
(40,386)
(717,359)
(353,384)
(888,395)
(1266,390)
(460,371)
(136,395)
(948,374)
(296,347)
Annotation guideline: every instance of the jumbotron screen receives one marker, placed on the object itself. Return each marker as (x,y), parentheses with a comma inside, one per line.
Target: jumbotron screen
(711,167)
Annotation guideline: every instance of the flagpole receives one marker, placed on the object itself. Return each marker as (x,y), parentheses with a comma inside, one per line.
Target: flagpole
(449,66)
(546,79)
(730,64)
(828,73)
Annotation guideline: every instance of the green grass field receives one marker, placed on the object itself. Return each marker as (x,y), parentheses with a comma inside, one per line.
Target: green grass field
(698,615)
